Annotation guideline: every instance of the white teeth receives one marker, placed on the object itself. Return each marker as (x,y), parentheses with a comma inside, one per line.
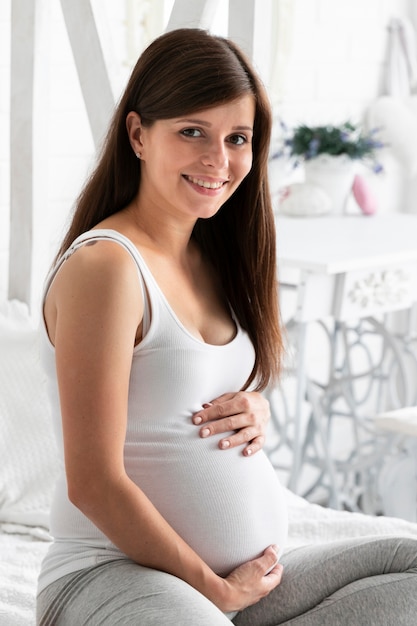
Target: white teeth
(204,183)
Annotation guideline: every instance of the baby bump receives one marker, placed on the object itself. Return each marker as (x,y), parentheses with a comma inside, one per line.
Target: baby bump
(227,507)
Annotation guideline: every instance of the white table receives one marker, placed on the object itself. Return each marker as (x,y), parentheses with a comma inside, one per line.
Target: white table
(345,269)
(349,266)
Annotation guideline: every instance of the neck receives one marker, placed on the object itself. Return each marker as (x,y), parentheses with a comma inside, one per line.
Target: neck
(160,230)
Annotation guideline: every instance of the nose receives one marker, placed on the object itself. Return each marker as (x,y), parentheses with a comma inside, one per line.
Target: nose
(216,155)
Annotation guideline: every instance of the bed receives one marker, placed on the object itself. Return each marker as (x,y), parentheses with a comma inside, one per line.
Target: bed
(29,463)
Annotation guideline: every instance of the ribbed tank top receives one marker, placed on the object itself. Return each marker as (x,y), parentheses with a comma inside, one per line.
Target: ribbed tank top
(227,507)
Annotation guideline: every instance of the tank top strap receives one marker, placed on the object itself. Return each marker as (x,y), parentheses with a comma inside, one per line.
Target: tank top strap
(109,235)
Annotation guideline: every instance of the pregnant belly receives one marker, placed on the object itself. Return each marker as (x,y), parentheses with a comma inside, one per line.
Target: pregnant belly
(227,507)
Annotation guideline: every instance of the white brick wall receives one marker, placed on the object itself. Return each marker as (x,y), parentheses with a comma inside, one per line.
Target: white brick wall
(333,72)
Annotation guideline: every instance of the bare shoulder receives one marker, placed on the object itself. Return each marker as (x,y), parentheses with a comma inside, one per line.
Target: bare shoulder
(97,264)
(96,279)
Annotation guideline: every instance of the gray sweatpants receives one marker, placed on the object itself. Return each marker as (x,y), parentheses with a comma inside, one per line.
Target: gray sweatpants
(362,581)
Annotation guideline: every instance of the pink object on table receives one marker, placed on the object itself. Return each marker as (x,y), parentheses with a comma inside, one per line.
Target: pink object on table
(363,195)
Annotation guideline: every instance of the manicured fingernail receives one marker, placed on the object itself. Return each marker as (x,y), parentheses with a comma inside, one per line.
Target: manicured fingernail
(248,452)
(205,432)
(207,405)
(197,419)
(225,444)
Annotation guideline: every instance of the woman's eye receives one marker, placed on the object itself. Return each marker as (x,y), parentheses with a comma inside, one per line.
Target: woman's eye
(238,140)
(191,132)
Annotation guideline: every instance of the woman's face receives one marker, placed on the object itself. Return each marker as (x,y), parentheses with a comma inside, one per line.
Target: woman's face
(191,165)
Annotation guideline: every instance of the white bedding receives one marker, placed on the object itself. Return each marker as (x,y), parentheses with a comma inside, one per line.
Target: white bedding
(21,553)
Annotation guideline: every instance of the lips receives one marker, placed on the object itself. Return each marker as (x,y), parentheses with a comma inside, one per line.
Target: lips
(205,183)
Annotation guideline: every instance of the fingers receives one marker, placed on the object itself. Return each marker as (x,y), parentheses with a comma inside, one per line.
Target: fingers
(240,438)
(236,410)
(269,560)
(226,406)
(255,579)
(244,415)
(270,568)
(254,446)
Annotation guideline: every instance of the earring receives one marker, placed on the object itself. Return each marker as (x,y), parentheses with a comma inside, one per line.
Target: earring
(138,155)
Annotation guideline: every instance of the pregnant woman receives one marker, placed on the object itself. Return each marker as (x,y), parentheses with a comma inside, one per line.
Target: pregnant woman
(161,328)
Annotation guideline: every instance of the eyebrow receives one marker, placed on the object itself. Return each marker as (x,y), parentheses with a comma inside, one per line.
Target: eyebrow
(194,120)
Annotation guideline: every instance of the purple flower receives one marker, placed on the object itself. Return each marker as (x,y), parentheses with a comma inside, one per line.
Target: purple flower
(307,142)
(313,148)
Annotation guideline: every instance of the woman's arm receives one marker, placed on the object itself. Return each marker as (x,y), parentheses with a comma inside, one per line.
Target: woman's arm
(245,412)
(96,309)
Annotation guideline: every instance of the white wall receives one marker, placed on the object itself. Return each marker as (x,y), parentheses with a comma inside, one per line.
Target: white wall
(5,9)
(328,66)
(335,58)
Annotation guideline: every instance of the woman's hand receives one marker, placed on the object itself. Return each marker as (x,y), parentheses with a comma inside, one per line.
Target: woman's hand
(252,581)
(245,412)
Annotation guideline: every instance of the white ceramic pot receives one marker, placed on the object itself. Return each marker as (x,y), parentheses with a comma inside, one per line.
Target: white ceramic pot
(333,174)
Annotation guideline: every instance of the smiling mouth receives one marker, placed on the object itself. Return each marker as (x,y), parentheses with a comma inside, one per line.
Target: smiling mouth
(205,183)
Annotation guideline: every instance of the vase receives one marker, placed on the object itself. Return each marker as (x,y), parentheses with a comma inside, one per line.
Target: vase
(333,174)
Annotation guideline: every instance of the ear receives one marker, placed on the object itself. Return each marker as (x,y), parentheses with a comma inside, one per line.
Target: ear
(134,131)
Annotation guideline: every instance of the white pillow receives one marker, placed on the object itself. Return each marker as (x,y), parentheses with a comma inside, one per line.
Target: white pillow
(28,458)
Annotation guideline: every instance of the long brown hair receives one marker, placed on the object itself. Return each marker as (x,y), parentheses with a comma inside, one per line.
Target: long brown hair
(181,72)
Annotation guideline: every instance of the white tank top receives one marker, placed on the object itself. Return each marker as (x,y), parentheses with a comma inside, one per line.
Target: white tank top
(227,507)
